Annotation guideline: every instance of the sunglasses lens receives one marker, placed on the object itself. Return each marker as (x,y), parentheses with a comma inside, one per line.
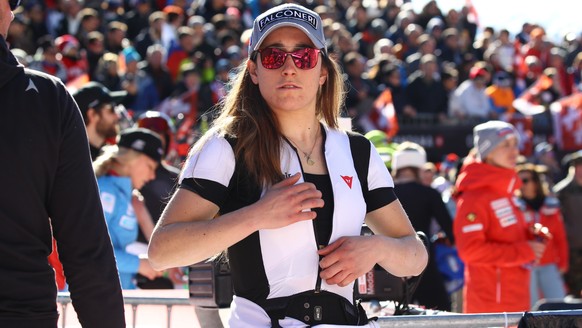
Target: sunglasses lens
(305,58)
(273,58)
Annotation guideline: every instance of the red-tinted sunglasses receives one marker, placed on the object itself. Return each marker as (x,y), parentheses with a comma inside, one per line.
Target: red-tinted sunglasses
(14,4)
(304,58)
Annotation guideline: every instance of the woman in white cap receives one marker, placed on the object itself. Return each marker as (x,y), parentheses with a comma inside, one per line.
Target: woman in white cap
(274,181)
(491,234)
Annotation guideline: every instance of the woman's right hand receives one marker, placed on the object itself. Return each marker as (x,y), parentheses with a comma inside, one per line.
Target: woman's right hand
(287,202)
(146,270)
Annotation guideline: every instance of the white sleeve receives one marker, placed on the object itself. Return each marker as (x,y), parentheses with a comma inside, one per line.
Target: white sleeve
(378,174)
(214,161)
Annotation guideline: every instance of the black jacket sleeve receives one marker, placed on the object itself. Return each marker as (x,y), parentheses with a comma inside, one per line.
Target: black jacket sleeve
(79,225)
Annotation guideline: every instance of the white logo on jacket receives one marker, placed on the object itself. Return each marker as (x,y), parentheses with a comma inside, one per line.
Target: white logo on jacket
(503,212)
(108,202)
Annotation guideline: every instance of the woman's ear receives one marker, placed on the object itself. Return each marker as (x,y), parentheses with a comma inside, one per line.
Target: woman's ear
(252,68)
(323,76)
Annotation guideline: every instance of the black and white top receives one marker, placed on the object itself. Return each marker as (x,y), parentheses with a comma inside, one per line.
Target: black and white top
(281,262)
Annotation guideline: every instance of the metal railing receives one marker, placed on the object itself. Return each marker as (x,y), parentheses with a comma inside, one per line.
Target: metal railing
(65,299)
(442,319)
(453,320)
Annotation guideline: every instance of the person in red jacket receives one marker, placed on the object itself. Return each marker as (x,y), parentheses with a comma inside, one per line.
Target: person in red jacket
(489,228)
(544,209)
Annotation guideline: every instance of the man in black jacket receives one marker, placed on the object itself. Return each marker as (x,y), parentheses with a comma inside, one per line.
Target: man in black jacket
(49,189)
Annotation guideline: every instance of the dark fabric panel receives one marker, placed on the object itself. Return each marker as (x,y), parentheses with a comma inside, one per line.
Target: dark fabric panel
(207,189)
(378,198)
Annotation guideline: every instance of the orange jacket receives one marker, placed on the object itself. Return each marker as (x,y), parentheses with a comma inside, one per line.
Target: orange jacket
(550,216)
(491,236)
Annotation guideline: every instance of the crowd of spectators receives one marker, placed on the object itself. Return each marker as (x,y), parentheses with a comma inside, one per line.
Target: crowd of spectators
(175,56)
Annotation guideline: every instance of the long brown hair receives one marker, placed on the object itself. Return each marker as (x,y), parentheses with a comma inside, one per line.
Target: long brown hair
(244,115)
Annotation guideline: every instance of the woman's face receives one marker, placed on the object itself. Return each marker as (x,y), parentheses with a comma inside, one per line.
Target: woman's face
(505,154)
(528,186)
(143,170)
(288,89)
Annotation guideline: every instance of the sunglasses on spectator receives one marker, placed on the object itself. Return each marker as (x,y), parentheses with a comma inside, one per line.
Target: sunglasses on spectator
(274,58)
(14,4)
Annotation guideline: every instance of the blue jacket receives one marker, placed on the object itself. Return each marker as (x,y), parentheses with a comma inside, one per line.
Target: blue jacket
(115,195)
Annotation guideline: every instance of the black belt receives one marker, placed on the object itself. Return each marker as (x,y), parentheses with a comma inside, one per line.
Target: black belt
(315,308)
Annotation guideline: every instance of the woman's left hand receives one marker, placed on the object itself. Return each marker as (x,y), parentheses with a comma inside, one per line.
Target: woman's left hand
(347,258)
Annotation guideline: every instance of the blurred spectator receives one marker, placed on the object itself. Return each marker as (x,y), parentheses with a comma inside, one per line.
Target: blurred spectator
(469,101)
(141,91)
(209,8)
(115,39)
(490,230)
(449,49)
(222,75)
(46,60)
(95,50)
(427,13)
(450,80)
(501,96)
(89,21)
(569,192)
(422,203)
(36,12)
(20,35)
(542,209)
(191,97)
(425,92)
(68,22)
(108,72)
(156,69)
(428,173)
(181,51)
(504,50)
(121,168)
(426,45)
(73,56)
(388,75)
(545,155)
(174,20)
(97,105)
(564,78)
(137,18)
(361,91)
(536,46)
(151,35)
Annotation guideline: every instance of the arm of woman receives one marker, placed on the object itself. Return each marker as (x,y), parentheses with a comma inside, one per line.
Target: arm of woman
(395,246)
(189,230)
(144,218)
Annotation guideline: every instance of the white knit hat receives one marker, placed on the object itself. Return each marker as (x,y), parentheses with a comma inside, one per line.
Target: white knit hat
(408,154)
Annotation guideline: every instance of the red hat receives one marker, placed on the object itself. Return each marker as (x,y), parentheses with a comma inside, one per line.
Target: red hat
(476,72)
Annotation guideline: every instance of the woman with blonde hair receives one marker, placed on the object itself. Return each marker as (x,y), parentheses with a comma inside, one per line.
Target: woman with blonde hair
(274,181)
(120,169)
